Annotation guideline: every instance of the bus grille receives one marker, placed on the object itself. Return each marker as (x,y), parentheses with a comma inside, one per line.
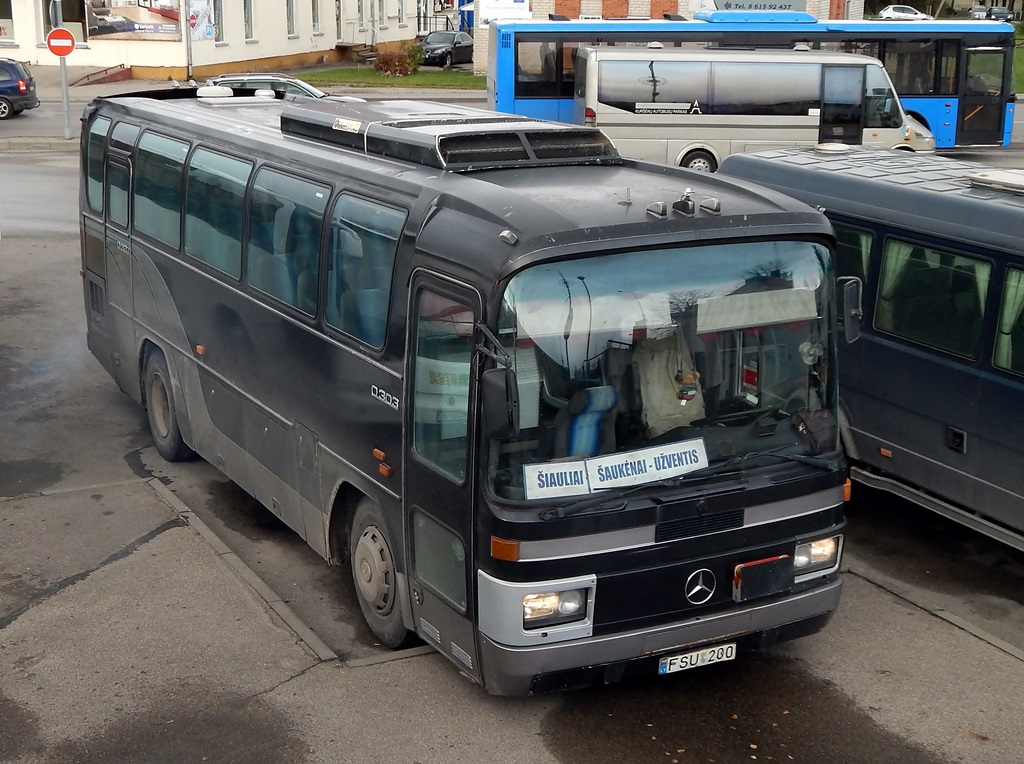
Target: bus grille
(698,526)
(96,298)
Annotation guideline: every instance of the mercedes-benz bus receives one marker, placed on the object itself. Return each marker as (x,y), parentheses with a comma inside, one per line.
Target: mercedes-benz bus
(567,417)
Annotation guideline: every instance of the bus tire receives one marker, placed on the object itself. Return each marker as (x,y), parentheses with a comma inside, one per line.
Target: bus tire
(160,410)
(374,575)
(699,161)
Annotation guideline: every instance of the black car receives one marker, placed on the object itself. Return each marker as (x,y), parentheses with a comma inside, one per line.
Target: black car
(17,88)
(447,48)
(998,14)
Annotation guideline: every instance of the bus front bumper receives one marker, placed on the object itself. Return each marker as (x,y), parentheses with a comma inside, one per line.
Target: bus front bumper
(518,671)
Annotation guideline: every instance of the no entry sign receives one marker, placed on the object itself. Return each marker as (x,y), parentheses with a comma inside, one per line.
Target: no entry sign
(60,41)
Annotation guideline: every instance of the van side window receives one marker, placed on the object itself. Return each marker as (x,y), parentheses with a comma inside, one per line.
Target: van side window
(932,297)
(361,257)
(1010,337)
(285,219)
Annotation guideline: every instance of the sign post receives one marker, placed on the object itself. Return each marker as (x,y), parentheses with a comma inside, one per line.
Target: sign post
(61,42)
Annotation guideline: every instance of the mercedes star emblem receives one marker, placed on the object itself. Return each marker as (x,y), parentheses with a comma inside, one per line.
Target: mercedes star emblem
(700,586)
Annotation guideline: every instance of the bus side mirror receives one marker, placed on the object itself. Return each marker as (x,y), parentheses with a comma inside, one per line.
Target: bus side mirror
(852,312)
(499,393)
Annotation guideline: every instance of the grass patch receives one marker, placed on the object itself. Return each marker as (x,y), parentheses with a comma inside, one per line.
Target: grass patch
(1018,59)
(367,76)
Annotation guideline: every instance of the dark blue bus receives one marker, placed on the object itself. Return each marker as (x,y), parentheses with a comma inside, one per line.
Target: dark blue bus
(935,388)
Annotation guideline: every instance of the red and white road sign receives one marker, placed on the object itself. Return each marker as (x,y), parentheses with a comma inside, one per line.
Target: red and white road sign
(60,41)
(192,21)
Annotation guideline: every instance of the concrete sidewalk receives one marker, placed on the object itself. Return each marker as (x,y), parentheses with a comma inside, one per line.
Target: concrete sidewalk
(43,129)
(164,647)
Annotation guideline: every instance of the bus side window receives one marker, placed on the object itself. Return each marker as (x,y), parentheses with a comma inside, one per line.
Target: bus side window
(932,297)
(159,167)
(1010,337)
(852,251)
(363,243)
(213,210)
(284,237)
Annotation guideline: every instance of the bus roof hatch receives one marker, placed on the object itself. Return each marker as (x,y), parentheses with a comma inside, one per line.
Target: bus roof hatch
(448,137)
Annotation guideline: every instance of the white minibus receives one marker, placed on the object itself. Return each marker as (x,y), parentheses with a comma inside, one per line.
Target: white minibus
(694,107)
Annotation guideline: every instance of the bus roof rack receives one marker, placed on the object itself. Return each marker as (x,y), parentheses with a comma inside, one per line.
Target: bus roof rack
(448,137)
(1011,181)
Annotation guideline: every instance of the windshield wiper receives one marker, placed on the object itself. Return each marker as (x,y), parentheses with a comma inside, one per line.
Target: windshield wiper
(603,497)
(720,468)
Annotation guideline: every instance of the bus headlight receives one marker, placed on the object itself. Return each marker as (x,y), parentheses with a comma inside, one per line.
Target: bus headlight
(552,608)
(820,554)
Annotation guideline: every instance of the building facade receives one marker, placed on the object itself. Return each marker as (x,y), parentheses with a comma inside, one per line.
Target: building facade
(176,39)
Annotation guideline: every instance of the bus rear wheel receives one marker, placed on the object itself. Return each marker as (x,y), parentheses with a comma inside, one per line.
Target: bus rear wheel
(163,417)
(374,576)
(699,161)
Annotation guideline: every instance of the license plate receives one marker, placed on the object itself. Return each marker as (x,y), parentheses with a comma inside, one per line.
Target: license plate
(703,657)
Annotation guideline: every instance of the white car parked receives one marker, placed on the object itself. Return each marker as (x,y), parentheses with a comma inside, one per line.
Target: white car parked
(902,12)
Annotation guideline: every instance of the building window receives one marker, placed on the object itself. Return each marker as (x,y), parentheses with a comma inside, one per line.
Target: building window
(289,9)
(401,11)
(381,17)
(315,7)
(247,14)
(218,20)
(6,19)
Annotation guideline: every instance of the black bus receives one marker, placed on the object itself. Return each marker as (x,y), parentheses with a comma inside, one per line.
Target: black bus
(935,389)
(567,416)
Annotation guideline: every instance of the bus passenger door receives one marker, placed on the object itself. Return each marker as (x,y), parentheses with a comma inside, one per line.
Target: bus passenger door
(439,472)
(842,105)
(982,102)
(118,262)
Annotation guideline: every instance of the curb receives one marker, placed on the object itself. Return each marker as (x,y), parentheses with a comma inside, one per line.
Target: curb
(264,592)
(42,143)
(859,568)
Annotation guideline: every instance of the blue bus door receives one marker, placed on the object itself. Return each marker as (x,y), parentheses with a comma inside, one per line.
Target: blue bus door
(440,483)
(983,104)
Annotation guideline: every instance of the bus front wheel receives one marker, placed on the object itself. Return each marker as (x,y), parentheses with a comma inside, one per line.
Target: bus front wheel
(374,576)
(163,417)
(699,161)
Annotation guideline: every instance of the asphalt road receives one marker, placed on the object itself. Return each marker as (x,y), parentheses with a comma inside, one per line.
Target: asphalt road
(922,663)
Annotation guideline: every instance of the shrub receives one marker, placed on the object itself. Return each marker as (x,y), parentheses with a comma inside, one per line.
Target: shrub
(393,63)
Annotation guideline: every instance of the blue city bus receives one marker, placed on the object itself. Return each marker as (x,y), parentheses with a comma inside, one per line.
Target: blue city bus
(955,76)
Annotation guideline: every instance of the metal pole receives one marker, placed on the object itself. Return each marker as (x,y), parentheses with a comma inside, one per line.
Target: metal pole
(58,21)
(186,29)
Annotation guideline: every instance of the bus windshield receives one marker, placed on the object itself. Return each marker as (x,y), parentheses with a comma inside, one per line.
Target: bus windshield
(645,365)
